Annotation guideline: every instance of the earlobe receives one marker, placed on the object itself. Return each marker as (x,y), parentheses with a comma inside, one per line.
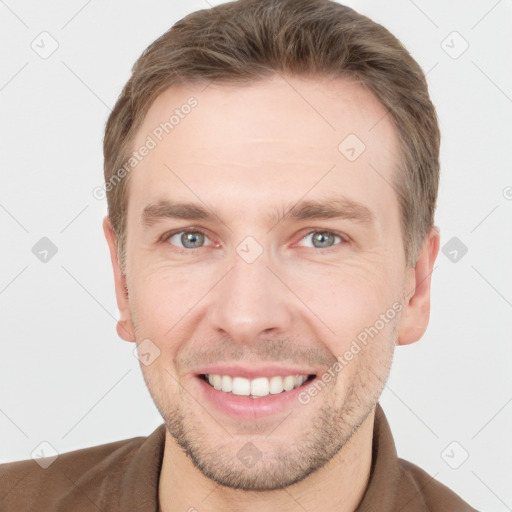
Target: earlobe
(416,311)
(125,328)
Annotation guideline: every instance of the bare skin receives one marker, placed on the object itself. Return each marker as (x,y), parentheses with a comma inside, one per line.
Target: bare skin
(245,154)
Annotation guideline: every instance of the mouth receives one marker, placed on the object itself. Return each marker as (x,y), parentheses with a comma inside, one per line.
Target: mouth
(245,393)
(258,387)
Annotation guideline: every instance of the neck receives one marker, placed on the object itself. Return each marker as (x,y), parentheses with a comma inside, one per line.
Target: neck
(339,485)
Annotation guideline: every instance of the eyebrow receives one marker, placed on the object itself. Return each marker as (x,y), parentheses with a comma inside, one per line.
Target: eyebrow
(330,208)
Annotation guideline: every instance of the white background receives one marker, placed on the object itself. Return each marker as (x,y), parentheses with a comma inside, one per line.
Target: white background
(66,378)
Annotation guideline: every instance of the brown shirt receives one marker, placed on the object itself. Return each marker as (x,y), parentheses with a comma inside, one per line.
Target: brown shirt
(123,477)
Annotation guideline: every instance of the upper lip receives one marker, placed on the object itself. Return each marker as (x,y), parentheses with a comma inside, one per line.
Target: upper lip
(252,372)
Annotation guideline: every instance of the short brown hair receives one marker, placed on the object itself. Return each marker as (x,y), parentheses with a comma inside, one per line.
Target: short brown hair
(249,40)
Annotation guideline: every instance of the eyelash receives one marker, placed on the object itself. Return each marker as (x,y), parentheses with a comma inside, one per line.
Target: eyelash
(343,238)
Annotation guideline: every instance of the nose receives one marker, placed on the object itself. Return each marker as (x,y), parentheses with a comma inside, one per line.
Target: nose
(250,302)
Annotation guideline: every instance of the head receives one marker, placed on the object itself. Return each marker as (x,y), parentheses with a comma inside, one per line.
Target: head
(271,172)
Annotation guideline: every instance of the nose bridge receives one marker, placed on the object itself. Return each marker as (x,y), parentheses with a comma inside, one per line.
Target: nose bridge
(249,300)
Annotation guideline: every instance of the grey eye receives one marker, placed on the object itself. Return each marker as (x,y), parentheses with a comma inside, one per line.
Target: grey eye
(321,239)
(188,239)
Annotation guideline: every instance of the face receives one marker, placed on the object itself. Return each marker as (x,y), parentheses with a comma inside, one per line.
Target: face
(265,272)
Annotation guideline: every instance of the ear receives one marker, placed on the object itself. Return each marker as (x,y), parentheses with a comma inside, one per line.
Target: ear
(125,328)
(416,311)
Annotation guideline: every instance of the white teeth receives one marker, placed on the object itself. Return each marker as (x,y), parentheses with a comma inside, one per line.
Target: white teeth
(276,385)
(227,383)
(241,386)
(216,382)
(288,382)
(299,380)
(256,388)
(260,387)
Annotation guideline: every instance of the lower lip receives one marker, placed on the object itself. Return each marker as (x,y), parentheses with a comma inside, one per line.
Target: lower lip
(245,407)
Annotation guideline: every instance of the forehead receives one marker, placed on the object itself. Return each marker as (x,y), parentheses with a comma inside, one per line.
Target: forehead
(265,143)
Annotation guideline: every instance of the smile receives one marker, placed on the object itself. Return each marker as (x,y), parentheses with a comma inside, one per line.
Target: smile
(255,388)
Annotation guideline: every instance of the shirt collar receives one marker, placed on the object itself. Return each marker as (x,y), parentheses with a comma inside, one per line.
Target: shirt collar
(384,478)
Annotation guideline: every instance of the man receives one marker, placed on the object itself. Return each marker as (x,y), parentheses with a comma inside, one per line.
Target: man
(271,170)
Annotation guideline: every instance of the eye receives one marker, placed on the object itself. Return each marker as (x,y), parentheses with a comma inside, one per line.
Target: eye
(196,239)
(187,239)
(322,239)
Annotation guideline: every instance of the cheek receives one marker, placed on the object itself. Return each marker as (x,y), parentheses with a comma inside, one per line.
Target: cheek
(158,300)
(347,302)
(346,292)
(338,300)
(166,298)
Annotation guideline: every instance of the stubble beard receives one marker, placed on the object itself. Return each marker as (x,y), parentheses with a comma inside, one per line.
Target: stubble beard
(278,466)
